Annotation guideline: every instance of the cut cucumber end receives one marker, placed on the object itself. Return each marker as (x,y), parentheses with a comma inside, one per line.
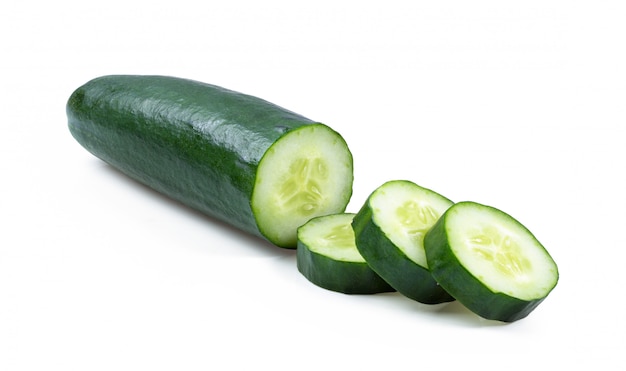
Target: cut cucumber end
(306,173)
(327,256)
(489,262)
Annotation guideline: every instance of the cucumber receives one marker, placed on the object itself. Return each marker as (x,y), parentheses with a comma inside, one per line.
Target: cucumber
(327,256)
(238,158)
(389,231)
(489,262)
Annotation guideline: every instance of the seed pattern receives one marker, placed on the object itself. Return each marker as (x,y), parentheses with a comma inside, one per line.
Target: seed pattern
(500,249)
(416,219)
(340,236)
(301,191)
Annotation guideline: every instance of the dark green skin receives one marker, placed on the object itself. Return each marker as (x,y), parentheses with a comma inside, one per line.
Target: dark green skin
(464,286)
(339,276)
(197,143)
(404,275)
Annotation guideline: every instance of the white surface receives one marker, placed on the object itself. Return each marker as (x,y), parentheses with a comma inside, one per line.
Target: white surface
(518,105)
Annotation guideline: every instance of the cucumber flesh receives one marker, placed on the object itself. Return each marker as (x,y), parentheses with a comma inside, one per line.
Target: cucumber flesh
(306,173)
(327,256)
(490,262)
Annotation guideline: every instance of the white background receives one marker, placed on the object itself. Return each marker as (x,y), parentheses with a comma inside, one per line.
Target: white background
(518,105)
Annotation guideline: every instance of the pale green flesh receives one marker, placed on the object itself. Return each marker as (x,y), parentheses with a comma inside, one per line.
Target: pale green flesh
(306,173)
(501,253)
(331,236)
(405,212)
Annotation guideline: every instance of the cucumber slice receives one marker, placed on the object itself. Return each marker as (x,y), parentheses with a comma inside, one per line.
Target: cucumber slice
(489,262)
(389,231)
(327,256)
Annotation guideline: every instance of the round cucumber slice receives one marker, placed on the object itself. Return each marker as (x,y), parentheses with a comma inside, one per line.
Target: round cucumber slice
(389,231)
(327,256)
(489,262)
(306,173)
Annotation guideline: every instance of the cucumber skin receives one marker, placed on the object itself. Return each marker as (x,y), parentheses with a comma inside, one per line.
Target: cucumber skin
(191,141)
(392,264)
(338,276)
(455,278)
